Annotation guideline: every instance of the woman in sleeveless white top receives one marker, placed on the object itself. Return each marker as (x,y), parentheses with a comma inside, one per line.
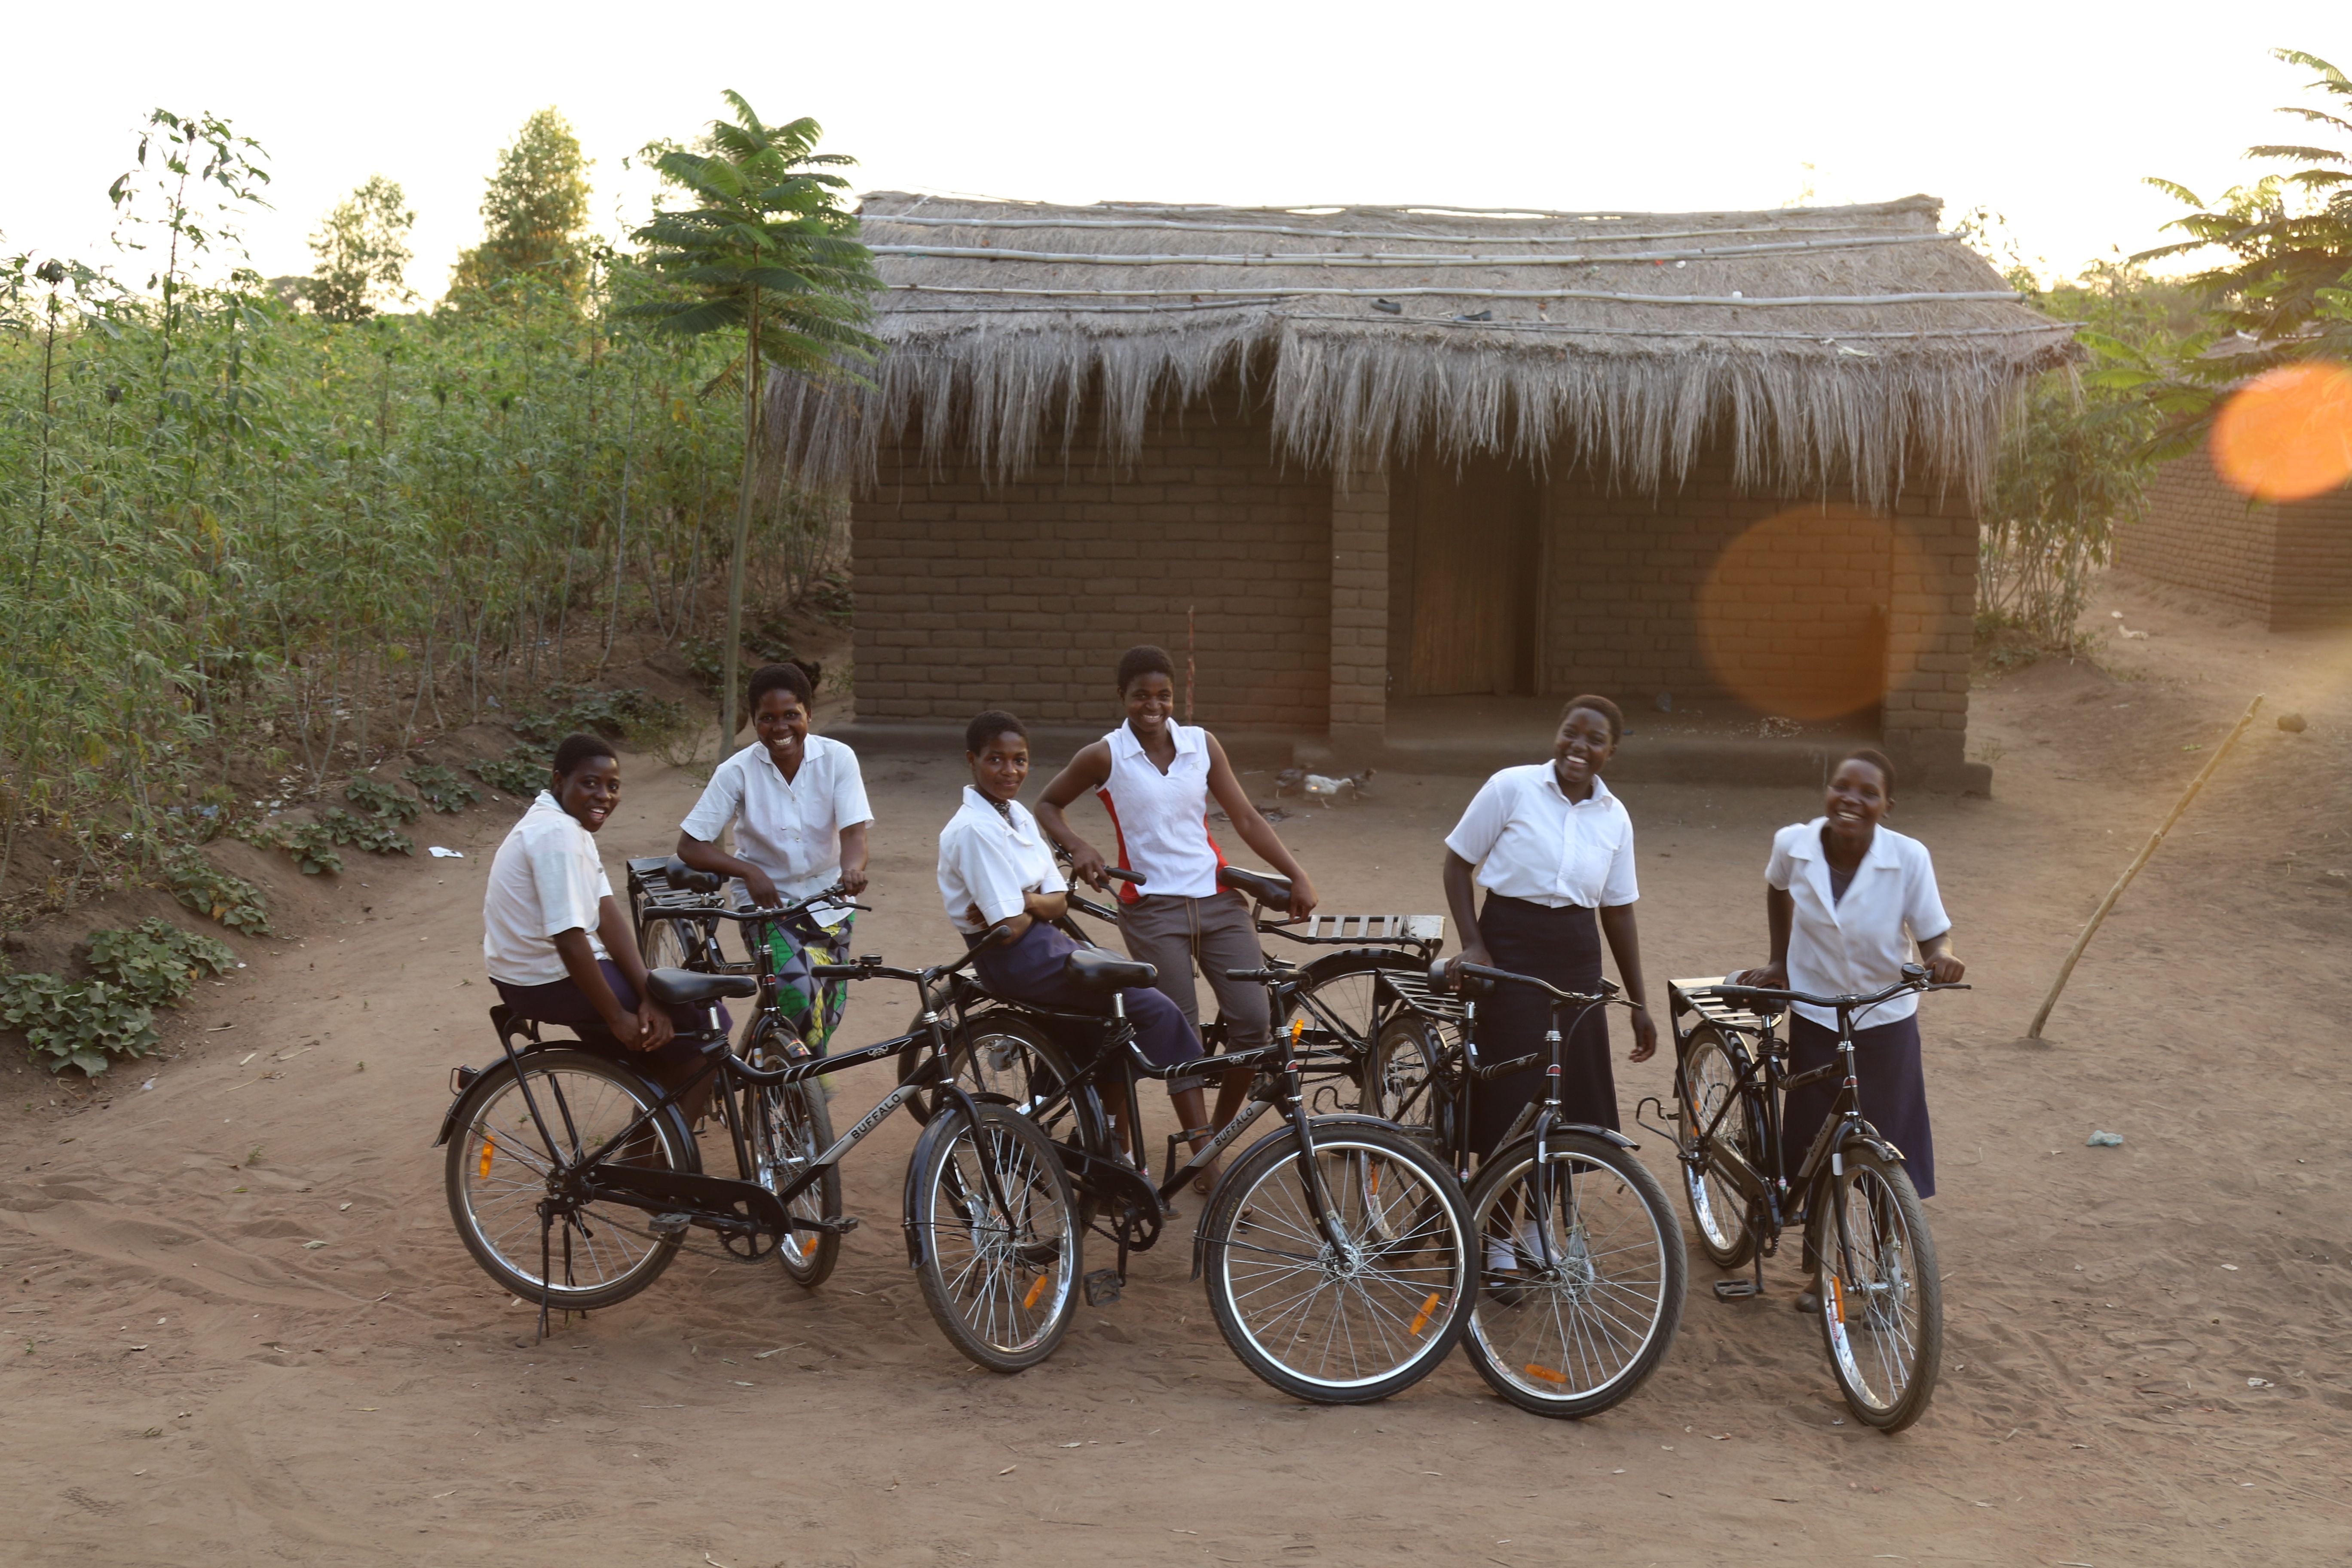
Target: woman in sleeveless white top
(1155,778)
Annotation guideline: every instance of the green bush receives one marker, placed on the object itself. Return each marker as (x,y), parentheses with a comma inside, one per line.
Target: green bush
(358,833)
(79,1024)
(380,800)
(312,844)
(634,713)
(213,893)
(521,772)
(442,790)
(155,962)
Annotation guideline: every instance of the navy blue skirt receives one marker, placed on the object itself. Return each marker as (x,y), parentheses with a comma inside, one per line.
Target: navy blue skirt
(1893,1093)
(1561,947)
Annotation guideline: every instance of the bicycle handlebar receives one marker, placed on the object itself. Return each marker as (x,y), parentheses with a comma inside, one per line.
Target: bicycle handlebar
(1915,978)
(1446,974)
(872,968)
(836,894)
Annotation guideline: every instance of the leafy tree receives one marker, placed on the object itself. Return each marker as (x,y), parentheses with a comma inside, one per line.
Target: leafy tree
(191,153)
(534,215)
(769,249)
(2285,285)
(363,251)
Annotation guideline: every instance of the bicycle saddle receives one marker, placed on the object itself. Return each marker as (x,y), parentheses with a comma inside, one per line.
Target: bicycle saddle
(1095,970)
(1266,889)
(685,878)
(684,988)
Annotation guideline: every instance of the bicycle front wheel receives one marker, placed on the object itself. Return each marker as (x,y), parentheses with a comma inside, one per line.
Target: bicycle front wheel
(501,1157)
(790,1128)
(1572,1328)
(1882,1305)
(1357,1316)
(999,1236)
(1727,1222)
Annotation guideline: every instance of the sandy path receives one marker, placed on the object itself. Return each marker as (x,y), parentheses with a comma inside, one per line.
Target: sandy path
(187,1382)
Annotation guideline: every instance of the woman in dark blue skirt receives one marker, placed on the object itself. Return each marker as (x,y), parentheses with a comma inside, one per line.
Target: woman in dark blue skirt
(1554,850)
(1845,897)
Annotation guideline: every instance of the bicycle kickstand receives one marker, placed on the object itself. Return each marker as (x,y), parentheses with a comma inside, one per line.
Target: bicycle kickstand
(546,1285)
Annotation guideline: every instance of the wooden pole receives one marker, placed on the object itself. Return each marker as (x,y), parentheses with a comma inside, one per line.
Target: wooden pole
(2066,970)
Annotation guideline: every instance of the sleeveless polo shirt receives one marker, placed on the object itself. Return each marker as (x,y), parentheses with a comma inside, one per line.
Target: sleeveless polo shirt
(1161,819)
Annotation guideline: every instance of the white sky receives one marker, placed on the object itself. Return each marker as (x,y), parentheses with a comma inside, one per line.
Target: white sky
(2049,115)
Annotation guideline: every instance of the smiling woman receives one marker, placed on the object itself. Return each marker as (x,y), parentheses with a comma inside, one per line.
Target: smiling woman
(1551,846)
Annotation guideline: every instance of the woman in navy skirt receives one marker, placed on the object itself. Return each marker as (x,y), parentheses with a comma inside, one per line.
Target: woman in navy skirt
(1845,897)
(1554,850)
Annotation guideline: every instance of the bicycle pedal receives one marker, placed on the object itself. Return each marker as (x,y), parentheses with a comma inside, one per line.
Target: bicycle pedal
(831,1225)
(1103,1287)
(669,1227)
(1737,1289)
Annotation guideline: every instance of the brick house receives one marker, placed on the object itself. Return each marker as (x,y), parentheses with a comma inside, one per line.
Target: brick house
(1377,466)
(2289,565)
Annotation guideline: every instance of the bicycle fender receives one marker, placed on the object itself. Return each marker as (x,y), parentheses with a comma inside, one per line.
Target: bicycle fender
(1608,1133)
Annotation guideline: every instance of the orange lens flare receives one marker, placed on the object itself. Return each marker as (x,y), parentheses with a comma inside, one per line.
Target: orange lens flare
(1029,1302)
(2287,434)
(1428,1310)
(1545,1374)
(487,1150)
(1796,616)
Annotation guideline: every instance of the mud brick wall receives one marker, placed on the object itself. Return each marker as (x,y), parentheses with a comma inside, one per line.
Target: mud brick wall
(972,595)
(1624,600)
(2290,565)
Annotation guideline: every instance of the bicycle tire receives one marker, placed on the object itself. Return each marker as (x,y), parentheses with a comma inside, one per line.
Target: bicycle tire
(1557,1345)
(789,1127)
(1001,1285)
(1416,1278)
(497,1218)
(1882,1308)
(1400,1079)
(667,944)
(1725,1220)
(1338,996)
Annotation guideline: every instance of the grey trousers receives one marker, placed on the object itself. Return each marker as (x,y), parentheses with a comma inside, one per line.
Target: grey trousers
(1172,934)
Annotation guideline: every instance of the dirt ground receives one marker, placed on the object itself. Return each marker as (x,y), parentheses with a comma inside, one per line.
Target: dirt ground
(2145,1360)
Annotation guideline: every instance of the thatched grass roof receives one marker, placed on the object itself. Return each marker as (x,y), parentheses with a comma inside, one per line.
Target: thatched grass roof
(1826,346)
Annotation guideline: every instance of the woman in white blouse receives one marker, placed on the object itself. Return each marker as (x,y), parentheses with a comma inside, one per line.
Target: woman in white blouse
(1844,899)
(996,868)
(1554,850)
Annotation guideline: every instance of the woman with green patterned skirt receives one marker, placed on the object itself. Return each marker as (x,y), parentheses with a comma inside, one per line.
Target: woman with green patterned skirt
(797,803)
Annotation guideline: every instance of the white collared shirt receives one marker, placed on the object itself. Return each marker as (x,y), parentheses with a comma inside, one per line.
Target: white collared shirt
(1857,944)
(1161,819)
(988,862)
(790,828)
(1530,841)
(546,879)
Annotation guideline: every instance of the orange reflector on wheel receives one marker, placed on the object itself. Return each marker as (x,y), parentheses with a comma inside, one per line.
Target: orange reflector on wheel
(487,1150)
(1428,1310)
(1545,1374)
(1029,1302)
(1837,1299)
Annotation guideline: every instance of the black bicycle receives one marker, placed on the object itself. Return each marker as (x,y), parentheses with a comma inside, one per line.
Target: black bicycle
(1581,1290)
(1866,1237)
(678,918)
(1336,1249)
(557,1148)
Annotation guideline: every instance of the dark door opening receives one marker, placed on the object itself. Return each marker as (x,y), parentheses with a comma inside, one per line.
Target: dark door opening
(1475,568)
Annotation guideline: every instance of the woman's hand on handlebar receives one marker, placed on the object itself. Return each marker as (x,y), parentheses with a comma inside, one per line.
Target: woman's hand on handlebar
(1768,977)
(1086,865)
(1944,969)
(853,879)
(1473,952)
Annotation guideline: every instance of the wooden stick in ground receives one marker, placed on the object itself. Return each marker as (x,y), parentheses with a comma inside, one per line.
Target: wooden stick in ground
(2066,970)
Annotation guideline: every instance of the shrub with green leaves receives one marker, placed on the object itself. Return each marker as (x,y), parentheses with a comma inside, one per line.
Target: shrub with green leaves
(358,833)
(312,844)
(442,790)
(617,715)
(521,772)
(381,800)
(155,962)
(76,1022)
(211,892)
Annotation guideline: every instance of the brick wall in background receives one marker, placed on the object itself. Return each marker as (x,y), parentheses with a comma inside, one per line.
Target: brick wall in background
(2290,566)
(1023,595)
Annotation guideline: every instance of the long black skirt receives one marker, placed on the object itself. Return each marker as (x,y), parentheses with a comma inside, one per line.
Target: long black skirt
(1893,1088)
(1561,947)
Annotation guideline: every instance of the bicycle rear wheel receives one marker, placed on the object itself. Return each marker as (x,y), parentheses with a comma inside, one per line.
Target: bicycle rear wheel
(1727,1222)
(1343,1005)
(1882,1304)
(667,944)
(1345,1323)
(1399,1081)
(1002,1280)
(790,1128)
(500,1163)
(1576,1338)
